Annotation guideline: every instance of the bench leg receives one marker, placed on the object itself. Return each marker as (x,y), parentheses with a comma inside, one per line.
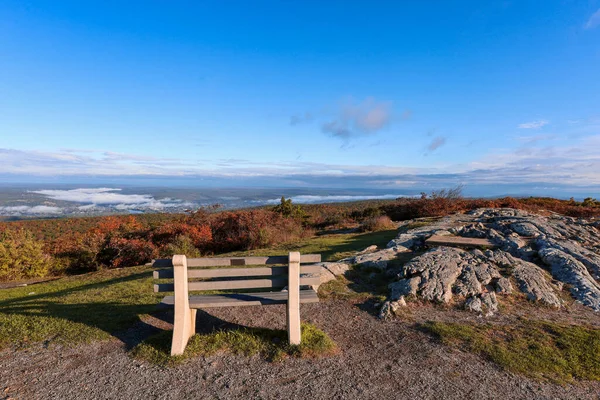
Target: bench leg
(293,305)
(182,331)
(193,322)
(185,318)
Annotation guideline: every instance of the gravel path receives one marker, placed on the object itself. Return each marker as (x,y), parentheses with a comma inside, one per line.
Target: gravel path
(377,360)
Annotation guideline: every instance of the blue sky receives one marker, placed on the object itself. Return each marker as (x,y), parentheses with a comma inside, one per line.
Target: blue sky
(496,95)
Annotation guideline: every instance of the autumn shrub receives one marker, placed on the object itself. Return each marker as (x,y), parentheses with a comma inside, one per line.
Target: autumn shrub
(199,235)
(251,229)
(123,252)
(588,208)
(324,216)
(375,224)
(22,256)
(77,253)
(181,245)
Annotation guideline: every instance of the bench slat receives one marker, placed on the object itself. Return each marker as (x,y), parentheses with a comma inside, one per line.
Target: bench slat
(244,299)
(229,261)
(232,272)
(458,241)
(238,284)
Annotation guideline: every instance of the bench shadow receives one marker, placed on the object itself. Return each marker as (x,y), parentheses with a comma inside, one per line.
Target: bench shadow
(130,323)
(114,318)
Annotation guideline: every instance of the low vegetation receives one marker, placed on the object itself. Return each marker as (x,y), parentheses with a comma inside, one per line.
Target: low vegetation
(560,353)
(34,248)
(375,224)
(268,343)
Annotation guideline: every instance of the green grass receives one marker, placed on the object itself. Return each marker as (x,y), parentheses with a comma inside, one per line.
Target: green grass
(559,353)
(331,247)
(76,309)
(417,224)
(268,343)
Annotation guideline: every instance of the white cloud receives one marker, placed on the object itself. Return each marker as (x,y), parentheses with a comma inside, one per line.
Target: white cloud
(101,198)
(29,210)
(95,196)
(593,21)
(534,124)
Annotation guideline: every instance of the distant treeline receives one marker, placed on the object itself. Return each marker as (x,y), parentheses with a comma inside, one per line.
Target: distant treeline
(33,248)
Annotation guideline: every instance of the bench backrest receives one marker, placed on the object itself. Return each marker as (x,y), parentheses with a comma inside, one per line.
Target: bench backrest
(201,278)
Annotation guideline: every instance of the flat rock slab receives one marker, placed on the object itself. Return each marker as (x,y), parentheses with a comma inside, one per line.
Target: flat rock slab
(437,240)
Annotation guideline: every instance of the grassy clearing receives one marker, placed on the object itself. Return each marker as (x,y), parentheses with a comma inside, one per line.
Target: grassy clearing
(76,309)
(417,224)
(359,284)
(268,343)
(545,350)
(95,306)
(331,247)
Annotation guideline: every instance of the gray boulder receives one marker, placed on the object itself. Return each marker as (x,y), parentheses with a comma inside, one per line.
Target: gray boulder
(569,270)
(404,287)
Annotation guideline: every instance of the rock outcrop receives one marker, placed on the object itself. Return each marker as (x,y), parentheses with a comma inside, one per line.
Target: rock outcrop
(534,254)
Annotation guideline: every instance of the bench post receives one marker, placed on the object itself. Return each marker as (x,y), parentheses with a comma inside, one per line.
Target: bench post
(184,324)
(293,305)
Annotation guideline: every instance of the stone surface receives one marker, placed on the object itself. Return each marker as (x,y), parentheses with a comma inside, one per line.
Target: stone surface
(326,275)
(473,304)
(539,253)
(378,259)
(385,312)
(369,249)
(569,270)
(439,269)
(490,302)
(503,286)
(404,287)
(534,282)
(336,268)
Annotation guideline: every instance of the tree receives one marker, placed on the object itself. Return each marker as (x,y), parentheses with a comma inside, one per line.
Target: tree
(287,209)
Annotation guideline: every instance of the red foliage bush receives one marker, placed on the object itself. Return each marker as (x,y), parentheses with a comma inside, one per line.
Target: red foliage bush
(244,230)
(123,252)
(200,235)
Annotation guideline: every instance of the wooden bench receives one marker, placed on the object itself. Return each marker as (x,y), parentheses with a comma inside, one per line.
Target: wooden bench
(459,241)
(187,278)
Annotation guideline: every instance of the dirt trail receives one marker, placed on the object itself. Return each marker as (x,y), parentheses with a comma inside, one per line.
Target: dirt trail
(377,360)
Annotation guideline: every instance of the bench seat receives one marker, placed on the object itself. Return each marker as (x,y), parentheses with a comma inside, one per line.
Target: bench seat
(244,299)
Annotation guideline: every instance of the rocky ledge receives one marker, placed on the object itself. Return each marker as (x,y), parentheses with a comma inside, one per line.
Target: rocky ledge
(539,256)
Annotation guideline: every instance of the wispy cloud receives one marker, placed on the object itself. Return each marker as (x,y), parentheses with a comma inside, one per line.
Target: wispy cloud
(436,143)
(575,163)
(593,21)
(534,124)
(535,139)
(301,118)
(358,119)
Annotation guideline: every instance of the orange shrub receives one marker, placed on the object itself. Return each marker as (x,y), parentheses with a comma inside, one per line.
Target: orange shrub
(375,224)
